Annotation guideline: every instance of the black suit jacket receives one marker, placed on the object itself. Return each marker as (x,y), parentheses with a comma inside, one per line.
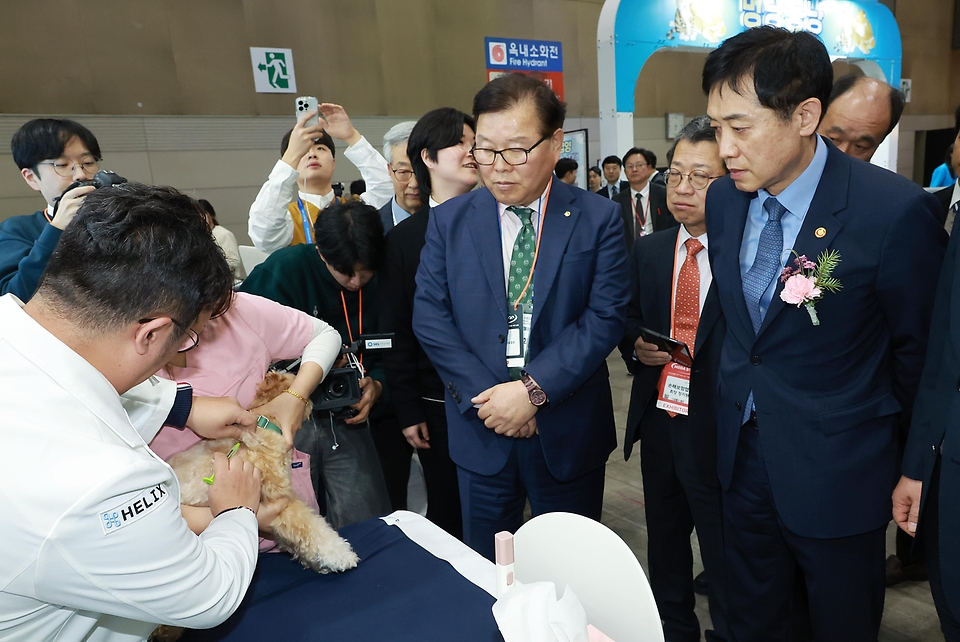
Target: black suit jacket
(410,375)
(651,279)
(605,190)
(662,218)
(943,195)
(386,216)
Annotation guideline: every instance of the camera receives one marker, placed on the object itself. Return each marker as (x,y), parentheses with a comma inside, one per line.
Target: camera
(103,178)
(341,388)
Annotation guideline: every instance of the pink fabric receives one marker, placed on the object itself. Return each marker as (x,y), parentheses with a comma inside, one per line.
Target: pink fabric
(234,353)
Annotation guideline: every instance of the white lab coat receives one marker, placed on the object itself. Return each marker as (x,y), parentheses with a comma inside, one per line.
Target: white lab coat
(92,543)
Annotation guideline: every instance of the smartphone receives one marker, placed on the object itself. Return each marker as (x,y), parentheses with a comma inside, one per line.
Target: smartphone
(306,104)
(678,350)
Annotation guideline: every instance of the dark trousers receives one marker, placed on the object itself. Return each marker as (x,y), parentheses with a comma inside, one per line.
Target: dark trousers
(495,503)
(394,454)
(677,499)
(930,532)
(440,473)
(844,577)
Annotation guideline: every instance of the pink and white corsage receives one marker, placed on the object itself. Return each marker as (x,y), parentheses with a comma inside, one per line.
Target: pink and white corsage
(806,283)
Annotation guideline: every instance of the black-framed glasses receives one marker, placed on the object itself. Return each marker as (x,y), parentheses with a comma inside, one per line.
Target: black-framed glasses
(698,180)
(190,341)
(403,175)
(510,155)
(66,167)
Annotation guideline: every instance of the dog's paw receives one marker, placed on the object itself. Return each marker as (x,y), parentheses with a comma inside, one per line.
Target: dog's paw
(335,555)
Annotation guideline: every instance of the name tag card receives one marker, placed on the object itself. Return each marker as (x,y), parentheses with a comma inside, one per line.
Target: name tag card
(518,335)
(674,389)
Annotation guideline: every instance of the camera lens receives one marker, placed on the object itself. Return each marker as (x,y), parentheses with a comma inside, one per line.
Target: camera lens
(337,388)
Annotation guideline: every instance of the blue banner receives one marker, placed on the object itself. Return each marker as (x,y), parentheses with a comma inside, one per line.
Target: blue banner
(862,29)
(510,54)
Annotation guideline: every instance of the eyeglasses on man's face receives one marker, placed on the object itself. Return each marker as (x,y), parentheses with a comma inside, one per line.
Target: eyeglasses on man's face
(698,180)
(510,155)
(189,342)
(403,175)
(65,167)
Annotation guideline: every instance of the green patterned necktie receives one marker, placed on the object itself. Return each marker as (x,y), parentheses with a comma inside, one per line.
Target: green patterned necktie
(524,249)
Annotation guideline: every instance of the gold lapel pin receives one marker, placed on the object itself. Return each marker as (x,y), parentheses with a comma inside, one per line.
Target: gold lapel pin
(820,232)
(567,213)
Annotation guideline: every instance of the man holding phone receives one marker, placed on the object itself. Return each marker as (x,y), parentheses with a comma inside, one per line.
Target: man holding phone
(671,405)
(300,185)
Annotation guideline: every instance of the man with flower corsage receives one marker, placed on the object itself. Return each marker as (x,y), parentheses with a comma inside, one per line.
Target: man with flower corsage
(826,268)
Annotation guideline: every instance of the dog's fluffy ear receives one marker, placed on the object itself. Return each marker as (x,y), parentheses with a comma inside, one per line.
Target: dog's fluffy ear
(271,387)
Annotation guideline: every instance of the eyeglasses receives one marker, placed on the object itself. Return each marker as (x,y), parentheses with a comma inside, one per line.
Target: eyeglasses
(510,155)
(403,175)
(636,166)
(698,180)
(190,341)
(66,167)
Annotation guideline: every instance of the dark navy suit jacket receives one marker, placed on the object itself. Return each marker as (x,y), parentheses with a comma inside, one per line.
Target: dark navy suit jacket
(580,295)
(651,278)
(936,418)
(828,397)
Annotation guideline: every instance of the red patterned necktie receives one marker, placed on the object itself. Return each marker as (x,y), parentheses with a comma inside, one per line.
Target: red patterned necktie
(686,306)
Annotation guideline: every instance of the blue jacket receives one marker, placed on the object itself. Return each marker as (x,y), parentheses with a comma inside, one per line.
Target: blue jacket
(26,243)
(828,397)
(581,289)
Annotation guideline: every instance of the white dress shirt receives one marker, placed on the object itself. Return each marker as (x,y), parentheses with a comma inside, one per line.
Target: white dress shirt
(270,225)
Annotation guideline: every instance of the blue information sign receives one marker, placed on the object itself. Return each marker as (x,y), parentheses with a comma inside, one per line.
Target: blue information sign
(510,54)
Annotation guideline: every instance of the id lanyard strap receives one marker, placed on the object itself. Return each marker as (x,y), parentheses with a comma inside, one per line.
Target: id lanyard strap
(346,317)
(307,227)
(646,213)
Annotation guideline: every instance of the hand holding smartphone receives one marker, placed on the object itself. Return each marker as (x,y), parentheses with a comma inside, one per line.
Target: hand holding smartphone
(306,104)
(677,350)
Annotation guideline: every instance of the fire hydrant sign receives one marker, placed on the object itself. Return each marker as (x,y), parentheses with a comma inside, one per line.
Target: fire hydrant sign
(540,58)
(273,70)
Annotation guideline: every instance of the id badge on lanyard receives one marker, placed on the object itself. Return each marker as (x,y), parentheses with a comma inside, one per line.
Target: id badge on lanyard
(305,218)
(673,389)
(518,335)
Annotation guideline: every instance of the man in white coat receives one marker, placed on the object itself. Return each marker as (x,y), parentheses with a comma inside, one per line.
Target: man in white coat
(94,545)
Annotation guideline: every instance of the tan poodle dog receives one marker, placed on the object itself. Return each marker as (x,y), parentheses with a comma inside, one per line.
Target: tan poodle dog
(297,530)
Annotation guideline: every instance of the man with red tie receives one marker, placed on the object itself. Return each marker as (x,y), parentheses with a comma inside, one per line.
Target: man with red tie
(673,294)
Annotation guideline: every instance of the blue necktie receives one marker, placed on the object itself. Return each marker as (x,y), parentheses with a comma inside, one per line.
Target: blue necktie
(765,267)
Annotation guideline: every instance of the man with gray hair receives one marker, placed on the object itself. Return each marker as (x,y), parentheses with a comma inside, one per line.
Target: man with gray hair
(406,190)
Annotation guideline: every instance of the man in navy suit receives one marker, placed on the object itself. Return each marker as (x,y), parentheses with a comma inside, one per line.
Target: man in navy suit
(810,393)
(930,460)
(673,294)
(611,173)
(521,295)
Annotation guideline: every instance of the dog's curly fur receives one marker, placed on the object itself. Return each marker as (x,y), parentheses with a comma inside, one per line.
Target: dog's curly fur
(297,530)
